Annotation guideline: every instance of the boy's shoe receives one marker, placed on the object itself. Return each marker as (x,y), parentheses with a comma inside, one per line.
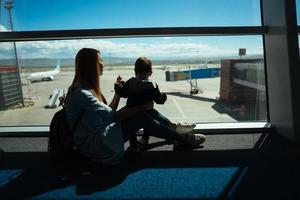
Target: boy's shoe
(140,132)
(170,141)
(184,128)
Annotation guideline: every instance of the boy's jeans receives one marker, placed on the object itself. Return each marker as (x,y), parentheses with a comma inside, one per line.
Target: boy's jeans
(153,123)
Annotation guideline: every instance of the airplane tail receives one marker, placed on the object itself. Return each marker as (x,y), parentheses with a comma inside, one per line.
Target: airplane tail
(58,66)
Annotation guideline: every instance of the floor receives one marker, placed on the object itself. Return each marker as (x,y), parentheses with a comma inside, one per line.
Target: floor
(237,166)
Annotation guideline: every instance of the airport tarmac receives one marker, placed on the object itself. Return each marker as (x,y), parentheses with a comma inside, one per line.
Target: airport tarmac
(180,105)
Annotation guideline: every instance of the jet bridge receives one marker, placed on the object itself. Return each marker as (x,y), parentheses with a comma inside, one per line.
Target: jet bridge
(192,75)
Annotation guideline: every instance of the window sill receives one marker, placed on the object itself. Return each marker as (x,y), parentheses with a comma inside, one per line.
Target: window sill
(205,128)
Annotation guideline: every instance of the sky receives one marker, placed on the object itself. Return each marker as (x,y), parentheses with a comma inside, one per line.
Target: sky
(79,14)
(31,15)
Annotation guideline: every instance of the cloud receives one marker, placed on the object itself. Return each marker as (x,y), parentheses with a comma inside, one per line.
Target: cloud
(69,48)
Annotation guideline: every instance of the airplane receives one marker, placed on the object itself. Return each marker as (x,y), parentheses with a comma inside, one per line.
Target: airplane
(2,28)
(46,75)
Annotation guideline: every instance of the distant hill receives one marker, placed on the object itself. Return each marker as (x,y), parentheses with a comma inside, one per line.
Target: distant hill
(65,62)
(38,62)
(45,62)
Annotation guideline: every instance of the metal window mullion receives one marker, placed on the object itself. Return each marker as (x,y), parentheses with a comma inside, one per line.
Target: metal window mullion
(128,32)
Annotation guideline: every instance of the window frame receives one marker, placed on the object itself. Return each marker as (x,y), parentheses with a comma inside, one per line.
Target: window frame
(130,32)
(207,128)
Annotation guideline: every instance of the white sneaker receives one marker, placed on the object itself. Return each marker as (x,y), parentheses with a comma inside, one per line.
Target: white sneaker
(140,132)
(184,128)
(197,139)
(192,140)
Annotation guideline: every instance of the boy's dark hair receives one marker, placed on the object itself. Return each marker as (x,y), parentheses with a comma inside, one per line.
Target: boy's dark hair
(143,65)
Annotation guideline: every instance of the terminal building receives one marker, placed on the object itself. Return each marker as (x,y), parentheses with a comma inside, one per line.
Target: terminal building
(10,87)
(10,83)
(243,88)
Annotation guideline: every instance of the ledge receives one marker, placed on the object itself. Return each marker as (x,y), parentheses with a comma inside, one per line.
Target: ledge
(205,128)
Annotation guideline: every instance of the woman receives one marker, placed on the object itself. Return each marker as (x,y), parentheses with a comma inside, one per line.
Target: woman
(102,130)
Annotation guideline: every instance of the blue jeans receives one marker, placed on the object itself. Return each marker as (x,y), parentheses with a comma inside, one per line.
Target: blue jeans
(159,117)
(153,123)
(156,116)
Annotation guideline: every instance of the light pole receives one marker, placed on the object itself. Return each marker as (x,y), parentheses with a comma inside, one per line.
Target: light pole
(9,6)
(0,10)
(198,58)
(109,54)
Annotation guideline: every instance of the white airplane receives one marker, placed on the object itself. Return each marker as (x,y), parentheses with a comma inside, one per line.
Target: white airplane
(2,28)
(46,75)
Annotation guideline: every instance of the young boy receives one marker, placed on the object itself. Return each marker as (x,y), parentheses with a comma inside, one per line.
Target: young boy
(139,90)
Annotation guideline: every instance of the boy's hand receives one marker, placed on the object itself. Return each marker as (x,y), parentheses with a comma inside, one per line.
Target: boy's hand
(120,81)
(159,98)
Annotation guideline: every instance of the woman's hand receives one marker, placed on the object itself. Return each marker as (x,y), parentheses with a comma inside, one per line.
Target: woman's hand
(120,87)
(115,102)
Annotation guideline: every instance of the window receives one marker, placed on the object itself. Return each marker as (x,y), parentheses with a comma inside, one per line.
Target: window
(298,11)
(220,97)
(198,41)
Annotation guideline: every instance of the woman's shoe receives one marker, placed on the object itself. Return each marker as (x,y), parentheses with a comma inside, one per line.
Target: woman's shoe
(192,140)
(195,139)
(144,141)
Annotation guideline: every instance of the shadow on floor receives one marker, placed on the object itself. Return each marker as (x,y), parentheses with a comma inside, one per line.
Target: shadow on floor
(231,109)
(268,172)
(180,94)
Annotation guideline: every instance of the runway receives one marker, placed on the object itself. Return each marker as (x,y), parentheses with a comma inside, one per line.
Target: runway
(180,105)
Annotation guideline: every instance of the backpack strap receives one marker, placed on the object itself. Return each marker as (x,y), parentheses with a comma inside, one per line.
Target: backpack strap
(62,103)
(78,120)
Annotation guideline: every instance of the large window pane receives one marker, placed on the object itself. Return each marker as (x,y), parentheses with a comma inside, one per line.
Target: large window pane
(298,11)
(225,86)
(95,14)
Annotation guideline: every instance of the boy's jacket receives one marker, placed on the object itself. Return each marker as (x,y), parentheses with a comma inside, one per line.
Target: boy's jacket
(140,92)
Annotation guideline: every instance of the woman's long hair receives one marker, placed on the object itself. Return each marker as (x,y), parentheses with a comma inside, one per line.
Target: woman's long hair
(88,68)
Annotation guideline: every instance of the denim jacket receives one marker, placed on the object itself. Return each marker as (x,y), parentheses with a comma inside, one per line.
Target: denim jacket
(96,136)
